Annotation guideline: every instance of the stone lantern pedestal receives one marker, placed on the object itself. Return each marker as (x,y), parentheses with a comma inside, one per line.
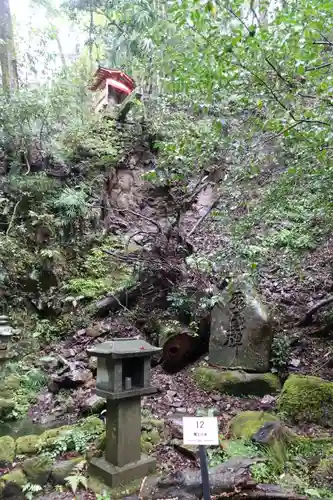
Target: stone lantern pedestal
(123,377)
(6,333)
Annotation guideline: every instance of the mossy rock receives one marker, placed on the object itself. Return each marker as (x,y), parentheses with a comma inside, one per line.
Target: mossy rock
(247,423)
(307,399)
(236,383)
(96,485)
(92,425)
(7,450)
(63,469)
(27,445)
(15,476)
(38,469)
(50,437)
(12,382)
(6,407)
(323,474)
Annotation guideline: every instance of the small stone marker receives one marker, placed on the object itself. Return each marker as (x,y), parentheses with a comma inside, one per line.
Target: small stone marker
(241,332)
(123,376)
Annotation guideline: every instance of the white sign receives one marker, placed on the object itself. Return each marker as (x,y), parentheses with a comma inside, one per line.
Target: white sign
(200,431)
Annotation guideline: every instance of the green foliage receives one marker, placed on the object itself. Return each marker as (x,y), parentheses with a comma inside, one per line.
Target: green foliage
(30,490)
(77,439)
(281,351)
(76,478)
(22,390)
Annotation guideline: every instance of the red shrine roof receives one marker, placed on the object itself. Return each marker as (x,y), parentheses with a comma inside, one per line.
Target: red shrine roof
(117,78)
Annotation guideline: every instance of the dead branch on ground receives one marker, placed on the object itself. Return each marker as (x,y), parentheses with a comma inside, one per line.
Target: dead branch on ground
(307,319)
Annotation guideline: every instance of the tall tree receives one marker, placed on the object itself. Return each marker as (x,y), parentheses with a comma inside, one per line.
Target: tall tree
(7,49)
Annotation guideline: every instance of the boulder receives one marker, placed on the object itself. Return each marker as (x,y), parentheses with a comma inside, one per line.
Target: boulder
(277,437)
(236,383)
(70,379)
(63,469)
(307,399)
(27,445)
(94,404)
(49,438)
(7,451)
(38,469)
(11,485)
(247,423)
(241,332)
(16,476)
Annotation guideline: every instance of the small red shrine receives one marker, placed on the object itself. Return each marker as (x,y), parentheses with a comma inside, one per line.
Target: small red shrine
(112,85)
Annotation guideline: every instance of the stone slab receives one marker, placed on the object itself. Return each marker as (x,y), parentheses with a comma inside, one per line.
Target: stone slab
(241,331)
(123,348)
(114,476)
(114,396)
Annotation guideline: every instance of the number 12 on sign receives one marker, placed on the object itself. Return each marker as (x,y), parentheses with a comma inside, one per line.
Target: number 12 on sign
(200,431)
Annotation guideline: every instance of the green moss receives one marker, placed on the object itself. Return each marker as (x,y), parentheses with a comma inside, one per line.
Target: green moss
(99,275)
(307,399)
(247,423)
(49,438)
(7,450)
(6,407)
(27,445)
(236,383)
(15,476)
(92,425)
(12,382)
(323,475)
(38,469)
(98,487)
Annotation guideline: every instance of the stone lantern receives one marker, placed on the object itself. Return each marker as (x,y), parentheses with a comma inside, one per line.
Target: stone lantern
(123,377)
(6,333)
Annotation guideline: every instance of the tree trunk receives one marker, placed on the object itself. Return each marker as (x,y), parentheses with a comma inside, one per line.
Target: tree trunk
(61,52)
(7,51)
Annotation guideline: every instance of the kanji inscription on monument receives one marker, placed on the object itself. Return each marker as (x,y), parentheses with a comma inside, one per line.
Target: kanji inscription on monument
(241,334)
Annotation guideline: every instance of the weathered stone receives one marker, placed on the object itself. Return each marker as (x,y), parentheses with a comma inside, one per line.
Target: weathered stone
(247,423)
(241,333)
(15,476)
(11,485)
(49,362)
(7,450)
(27,445)
(38,469)
(94,404)
(307,399)
(11,491)
(188,451)
(277,437)
(236,383)
(63,469)
(70,379)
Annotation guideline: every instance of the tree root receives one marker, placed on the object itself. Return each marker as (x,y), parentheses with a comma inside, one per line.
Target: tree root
(307,319)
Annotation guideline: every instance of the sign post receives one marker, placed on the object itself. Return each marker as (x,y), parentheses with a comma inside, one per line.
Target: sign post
(202,431)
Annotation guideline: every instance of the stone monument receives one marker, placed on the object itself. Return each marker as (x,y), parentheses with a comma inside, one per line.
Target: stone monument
(6,333)
(123,376)
(241,332)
